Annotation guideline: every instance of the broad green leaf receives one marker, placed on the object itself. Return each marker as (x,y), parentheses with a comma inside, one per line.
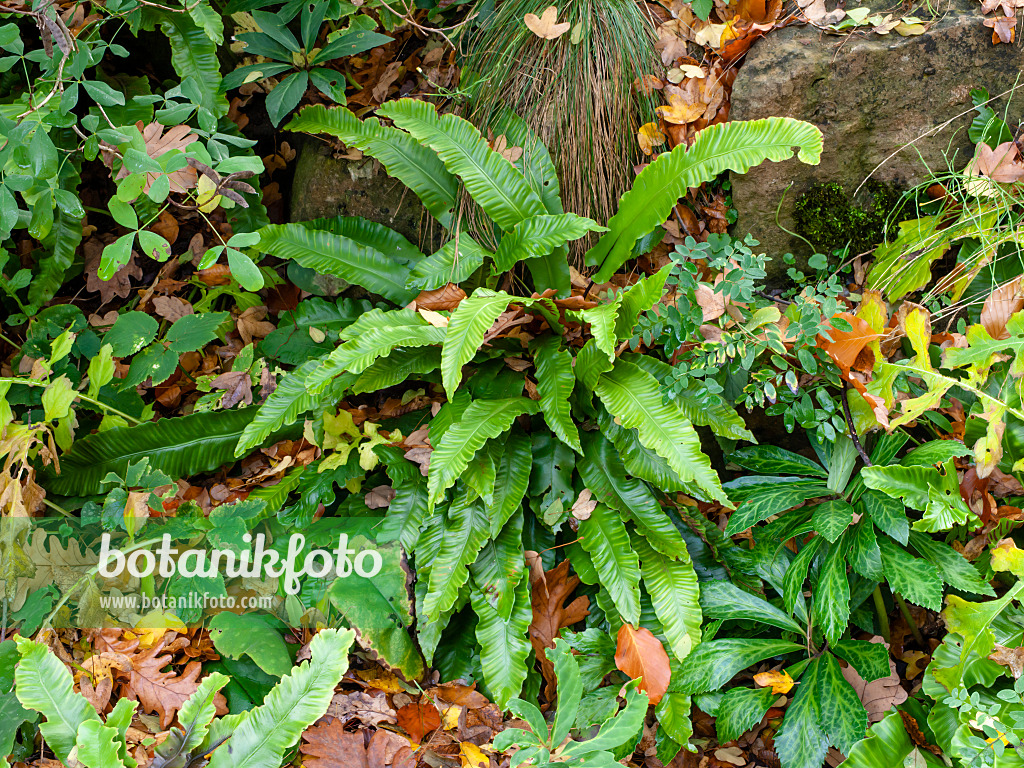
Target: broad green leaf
(832,593)
(733,146)
(605,539)
(286,96)
(369,255)
(759,501)
(396,367)
(493,182)
(504,646)
(570,690)
(724,600)
(641,461)
(740,710)
(915,579)
(796,573)
(590,363)
(935,491)
(465,529)
(637,299)
(406,513)
(539,235)
(887,744)
(675,595)
(404,158)
(131,332)
(194,719)
(800,742)
(511,479)
(616,731)
(380,608)
(831,518)
(864,556)
(555,381)
(954,569)
(871,660)
(42,683)
(194,56)
(713,663)
(499,566)
(193,332)
(101,370)
(181,446)
(62,243)
(635,398)
(602,320)
(261,735)
(604,473)
(772,460)
(973,622)
(467,327)
(454,263)
(96,746)
(888,515)
(843,717)
(482,420)
(252,635)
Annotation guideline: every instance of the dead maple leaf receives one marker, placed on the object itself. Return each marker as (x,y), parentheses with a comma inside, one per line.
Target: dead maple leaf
(159,143)
(171,308)
(1002,303)
(328,745)
(237,388)
(361,706)
(640,654)
(419,718)
(545,26)
(442,299)
(682,107)
(550,613)
(878,696)
(380,497)
(649,136)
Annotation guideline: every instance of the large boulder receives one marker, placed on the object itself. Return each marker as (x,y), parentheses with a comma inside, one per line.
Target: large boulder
(887,101)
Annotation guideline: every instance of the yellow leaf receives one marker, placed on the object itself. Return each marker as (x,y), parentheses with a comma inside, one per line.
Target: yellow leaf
(906,30)
(206,197)
(780,682)
(679,111)
(450,717)
(472,756)
(649,136)
(1006,557)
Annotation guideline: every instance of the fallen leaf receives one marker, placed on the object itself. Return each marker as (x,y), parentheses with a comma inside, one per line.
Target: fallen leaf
(916,661)
(328,745)
(237,388)
(442,299)
(731,755)
(780,681)
(1002,303)
(119,285)
(585,505)
(158,143)
(171,308)
(550,613)
(161,691)
(649,136)
(1011,658)
(546,26)
(1004,30)
(878,696)
(472,756)
(361,706)
(501,146)
(251,324)
(640,654)
(999,164)
(380,497)
(846,346)
(711,302)
(418,719)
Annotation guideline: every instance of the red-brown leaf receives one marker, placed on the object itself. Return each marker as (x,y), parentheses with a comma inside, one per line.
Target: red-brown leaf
(640,654)
(418,719)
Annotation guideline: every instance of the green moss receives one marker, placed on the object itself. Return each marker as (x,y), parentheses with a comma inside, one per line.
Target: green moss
(831,221)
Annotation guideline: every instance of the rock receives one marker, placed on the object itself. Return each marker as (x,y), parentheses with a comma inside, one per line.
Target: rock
(326,186)
(870,95)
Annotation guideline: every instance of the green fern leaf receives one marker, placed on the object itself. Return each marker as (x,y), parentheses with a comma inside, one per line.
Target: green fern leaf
(675,594)
(97,746)
(404,158)
(634,397)
(603,535)
(504,647)
(602,319)
(62,242)
(735,146)
(361,252)
(465,530)
(262,735)
(194,56)
(640,297)
(481,421)
(42,683)
(451,264)
(540,235)
(499,566)
(511,479)
(535,163)
(640,461)
(396,367)
(494,183)
(590,363)
(467,327)
(555,382)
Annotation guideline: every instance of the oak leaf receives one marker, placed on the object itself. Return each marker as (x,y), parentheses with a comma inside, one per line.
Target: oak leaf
(158,691)
(361,706)
(550,613)
(328,745)
(546,26)
(119,285)
(640,654)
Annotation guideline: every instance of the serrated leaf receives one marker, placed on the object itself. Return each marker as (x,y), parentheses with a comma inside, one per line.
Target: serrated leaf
(871,660)
(831,518)
(832,593)
(796,573)
(467,327)
(915,579)
(555,381)
(740,710)
(772,460)
(843,717)
(888,514)
(954,569)
(800,742)
(724,600)
(713,663)
(604,537)
(864,556)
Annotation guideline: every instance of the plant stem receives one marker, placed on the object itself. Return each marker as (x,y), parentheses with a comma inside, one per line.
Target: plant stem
(849,425)
(905,610)
(883,616)
(147,585)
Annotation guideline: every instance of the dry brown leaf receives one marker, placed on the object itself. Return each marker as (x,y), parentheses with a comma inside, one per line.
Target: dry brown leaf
(442,299)
(159,143)
(1004,30)
(328,745)
(501,146)
(237,388)
(380,497)
(251,324)
(361,706)
(1002,303)
(711,303)
(545,26)
(999,164)
(640,654)
(171,308)
(585,505)
(158,691)
(1011,658)
(846,347)
(119,285)
(878,696)
(419,718)
(550,613)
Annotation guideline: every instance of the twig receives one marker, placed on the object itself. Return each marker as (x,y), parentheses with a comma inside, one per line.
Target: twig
(850,427)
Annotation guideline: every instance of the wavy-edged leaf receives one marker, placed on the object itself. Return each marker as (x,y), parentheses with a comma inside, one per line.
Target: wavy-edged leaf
(287,403)
(481,421)
(44,684)
(675,595)
(97,746)
(603,535)
(617,730)
(843,717)
(511,478)
(634,397)
(396,367)
(195,717)
(713,663)
(261,735)
(194,55)
(455,262)
(638,298)
(772,460)
(887,743)
(641,461)
(494,183)
(374,336)
(539,235)
(590,363)
(735,146)
(832,593)
(602,320)
(761,501)
(740,710)
(464,531)
(570,690)
(352,252)
(467,327)
(604,473)
(504,646)
(406,513)
(404,158)
(954,569)
(181,446)
(724,600)
(801,743)
(915,579)
(499,567)
(555,381)
(535,163)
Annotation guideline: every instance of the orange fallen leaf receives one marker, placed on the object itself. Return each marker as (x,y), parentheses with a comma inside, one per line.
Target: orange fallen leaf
(779,681)
(846,346)
(418,719)
(1002,303)
(640,654)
